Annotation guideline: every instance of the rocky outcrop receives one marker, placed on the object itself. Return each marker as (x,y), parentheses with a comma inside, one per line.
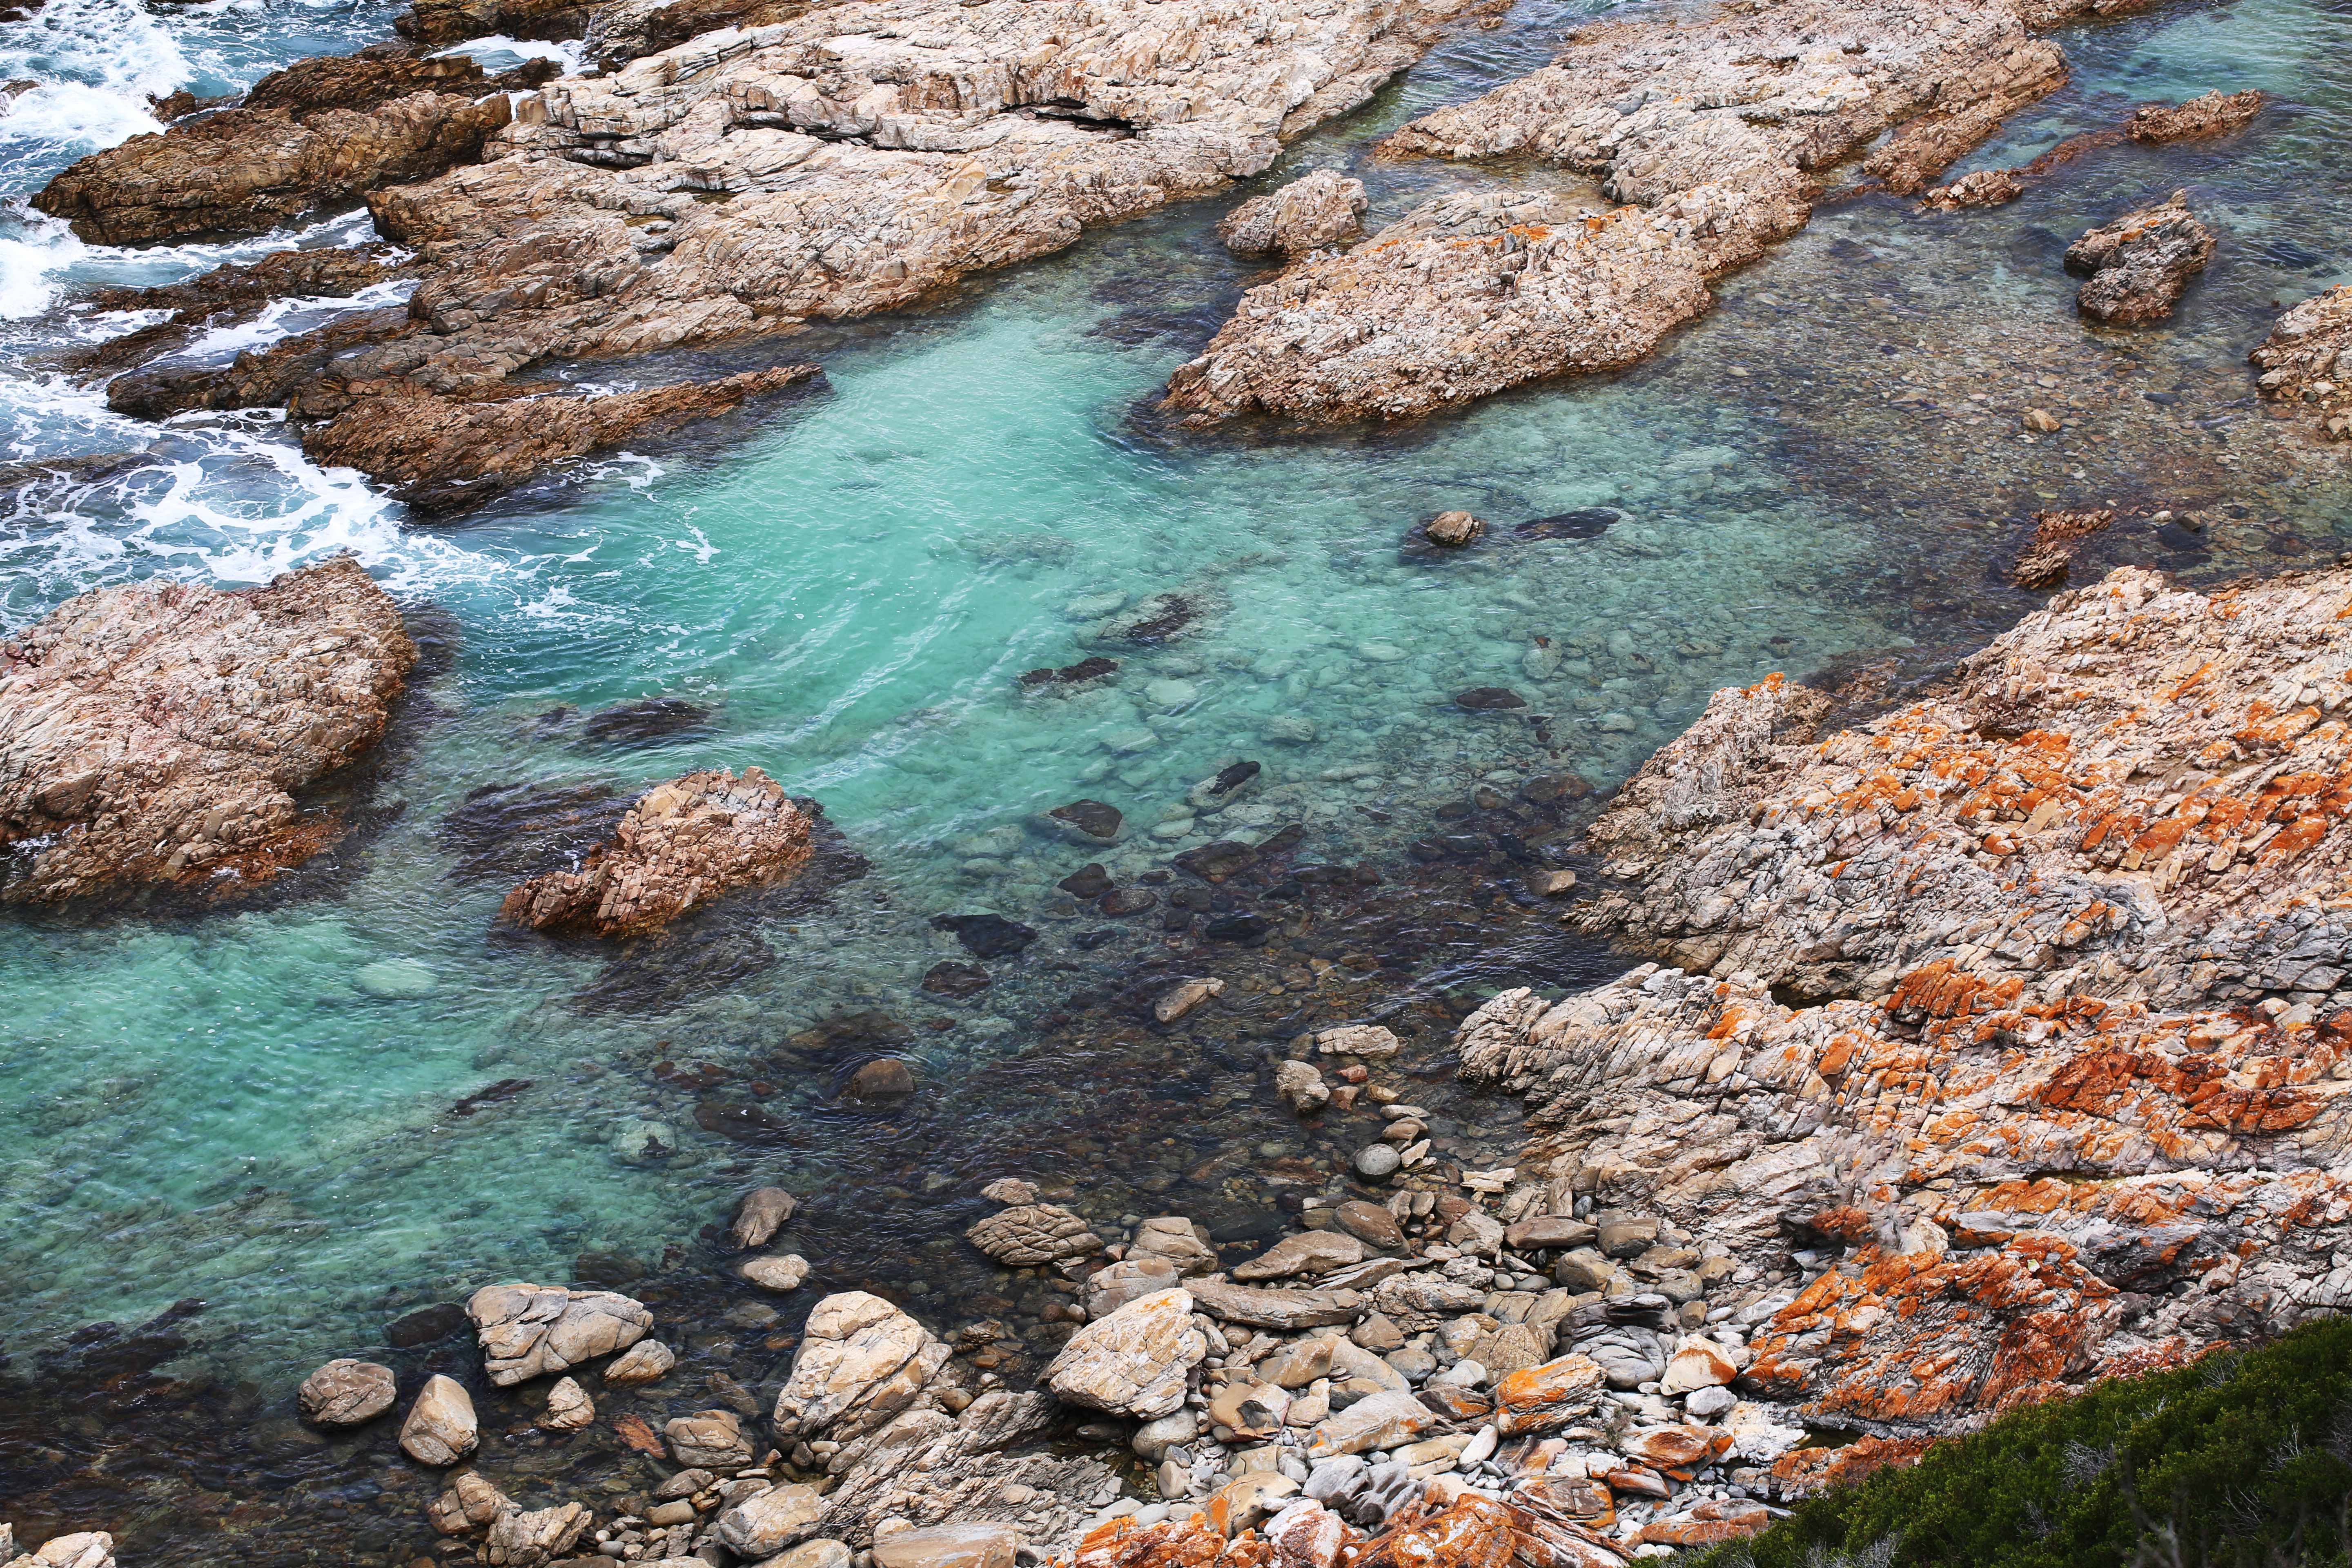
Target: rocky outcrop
(2140,265)
(280,372)
(681,844)
(347,1392)
(227,295)
(2307,358)
(2214,114)
(1134,1362)
(861,1361)
(321,132)
(78,1548)
(153,734)
(436,24)
(1713,131)
(1312,213)
(2016,1064)
(2056,536)
(850,161)
(531,1330)
(442,455)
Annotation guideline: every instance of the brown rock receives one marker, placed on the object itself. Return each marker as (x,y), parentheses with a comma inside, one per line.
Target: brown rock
(441,455)
(437,23)
(1371,1223)
(2056,536)
(346,1393)
(440,1429)
(2140,265)
(759,1215)
(152,733)
(708,1440)
(681,844)
(2216,114)
(1029,1234)
(1550,1231)
(1315,211)
(884,1082)
(976,1544)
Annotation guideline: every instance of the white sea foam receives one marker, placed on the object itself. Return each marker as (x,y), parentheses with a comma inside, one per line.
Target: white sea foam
(499,52)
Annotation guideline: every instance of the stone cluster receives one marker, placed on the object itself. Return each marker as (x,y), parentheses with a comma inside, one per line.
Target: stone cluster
(2307,358)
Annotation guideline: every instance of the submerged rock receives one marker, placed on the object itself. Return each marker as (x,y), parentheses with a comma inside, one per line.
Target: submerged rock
(680,846)
(1312,213)
(442,455)
(153,734)
(2056,536)
(2307,358)
(321,132)
(347,1392)
(986,935)
(762,1211)
(2140,265)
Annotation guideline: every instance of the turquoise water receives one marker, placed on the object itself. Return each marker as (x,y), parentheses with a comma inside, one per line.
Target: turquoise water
(252,1108)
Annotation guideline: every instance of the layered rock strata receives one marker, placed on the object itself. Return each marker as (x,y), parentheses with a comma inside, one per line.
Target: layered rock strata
(227,295)
(681,844)
(2140,264)
(321,132)
(1714,131)
(849,161)
(443,454)
(2215,113)
(154,734)
(2307,358)
(1314,212)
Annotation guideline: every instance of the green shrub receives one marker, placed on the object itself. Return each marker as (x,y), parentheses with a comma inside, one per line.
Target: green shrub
(2243,1460)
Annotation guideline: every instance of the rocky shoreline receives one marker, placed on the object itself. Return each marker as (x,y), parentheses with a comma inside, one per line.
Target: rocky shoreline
(1998,1053)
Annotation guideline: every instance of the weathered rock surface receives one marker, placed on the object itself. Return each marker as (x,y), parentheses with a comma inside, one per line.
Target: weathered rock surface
(1029,1234)
(708,1440)
(975,1545)
(850,160)
(861,1361)
(683,844)
(228,294)
(321,132)
(154,733)
(759,1215)
(527,1539)
(1712,129)
(766,1523)
(443,454)
(1134,1362)
(531,1330)
(2214,114)
(647,1361)
(2074,1110)
(569,1409)
(1311,213)
(440,1428)
(78,1548)
(2056,536)
(437,23)
(2307,358)
(2140,265)
(1307,1252)
(346,1393)
(781,1274)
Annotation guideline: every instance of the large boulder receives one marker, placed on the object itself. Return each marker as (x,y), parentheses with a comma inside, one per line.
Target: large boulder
(1027,1235)
(766,1522)
(681,844)
(975,1544)
(441,1428)
(1314,211)
(345,1392)
(2140,264)
(152,733)
(518,1539)
(1135,1362)
(2308,360)
(531,1330)
(861,1361)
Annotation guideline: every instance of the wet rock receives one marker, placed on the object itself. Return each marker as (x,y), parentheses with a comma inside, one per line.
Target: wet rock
(295,149)
(1122,901)
(978,1544)
(1371,1223)
(1095,668)
(951,979)
(437,23)
(1367,1042)
(440,455)
(531,1330)
(1317,210)
(2057,535)
(440,1428)
(1299,1086)
(1215,863)
(1182,998)
(228,294)
(647,1361)
(781,1274)
(987,935)
(710,1440)
(568,1407)
(2140,265)
(682,843)
(1228,787)
(425,1325)
(1179,1241)
(346,1393)
(2216,114)
(78,1549)
(1133,1362)
(1089,821)
(1584,522)
(1089,881)
(1983,188)
(152,733)
(1454,530)
(1483,699)
(1010,1190)
(2307,358)
(861,1361)
(884,1083)
(1551,884)
(256,378)
(762,1211)
(766,1522)
(1027,1235)
(647,721)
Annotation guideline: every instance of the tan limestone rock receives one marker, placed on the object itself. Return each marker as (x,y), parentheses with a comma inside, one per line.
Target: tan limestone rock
(529,1330)
(1134,1362)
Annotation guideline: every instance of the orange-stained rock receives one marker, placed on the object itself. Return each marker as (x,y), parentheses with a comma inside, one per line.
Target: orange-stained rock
(1183,1542)
(1676,1450)
(1548,1397)
(1808,1470)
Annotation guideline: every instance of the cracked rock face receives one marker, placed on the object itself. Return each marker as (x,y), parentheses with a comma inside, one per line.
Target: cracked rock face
(861,1361)
(531,1330)
(2084,912)
(346,1393)
(1133,1362)
(152,733)
(2140,265)
(851,160)
(2307,358)
(1315,211)
(683,844)
(1027,1235)
(1713,130)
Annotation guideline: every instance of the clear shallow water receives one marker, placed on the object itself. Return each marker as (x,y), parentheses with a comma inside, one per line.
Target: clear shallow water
(254,1107)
